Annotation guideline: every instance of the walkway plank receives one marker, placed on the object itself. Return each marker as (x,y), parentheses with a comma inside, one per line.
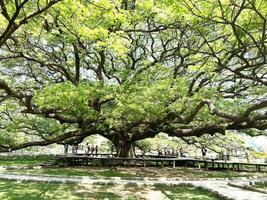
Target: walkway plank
(174,161)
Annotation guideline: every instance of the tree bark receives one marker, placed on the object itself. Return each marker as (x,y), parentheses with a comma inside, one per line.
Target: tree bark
(124,149)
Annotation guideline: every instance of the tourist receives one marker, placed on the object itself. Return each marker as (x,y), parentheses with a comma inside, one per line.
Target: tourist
(168,151)
(92,150)
(87,149)
(96,149)
(224,155)
(165,151)
(204,153)
(177,152)
(66,148)
(228,154)
(247,153)
(74,149)
(181,152)
(159,152)
(173,152)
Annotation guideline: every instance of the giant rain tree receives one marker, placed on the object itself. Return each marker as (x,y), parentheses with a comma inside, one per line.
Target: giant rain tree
(128,70)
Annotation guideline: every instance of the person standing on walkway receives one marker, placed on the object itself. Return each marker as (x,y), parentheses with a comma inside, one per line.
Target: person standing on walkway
(92,150)
(96,150)
(247,153)
(165,151)
(177,152)
(173,152)
(204,152)
(228,154)
(66,148)
(75,149)
(181,152)
(223,155)
(159,151)
(87,149)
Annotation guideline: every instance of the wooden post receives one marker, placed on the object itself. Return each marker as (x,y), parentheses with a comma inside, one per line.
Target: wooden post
(199,165)
(206,165)
(259,168)
(173,164)
(66,162)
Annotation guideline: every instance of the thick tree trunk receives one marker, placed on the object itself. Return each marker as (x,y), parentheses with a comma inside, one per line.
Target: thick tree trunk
(124,148)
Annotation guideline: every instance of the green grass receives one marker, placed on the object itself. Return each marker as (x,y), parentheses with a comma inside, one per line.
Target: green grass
(261,185)
(137,172)
(179,172)
(217,174)
(14,190)
(111,173)
(186,192)
(23,160)
(75,172)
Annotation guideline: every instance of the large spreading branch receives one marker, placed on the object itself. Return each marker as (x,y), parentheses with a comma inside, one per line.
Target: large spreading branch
(14,22)
(70,136)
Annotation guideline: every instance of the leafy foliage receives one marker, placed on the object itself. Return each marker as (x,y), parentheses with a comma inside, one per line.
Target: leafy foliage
(128,70)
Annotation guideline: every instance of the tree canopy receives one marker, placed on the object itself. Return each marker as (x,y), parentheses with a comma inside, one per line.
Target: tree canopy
(129,69)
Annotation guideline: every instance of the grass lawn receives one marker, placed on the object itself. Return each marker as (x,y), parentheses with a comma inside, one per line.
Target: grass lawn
(23,160)
(76,171)
(13,190)
(261,185)
(97,171)
(138,172)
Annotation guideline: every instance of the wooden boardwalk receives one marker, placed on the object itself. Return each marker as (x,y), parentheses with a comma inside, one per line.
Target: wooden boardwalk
(107,160)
